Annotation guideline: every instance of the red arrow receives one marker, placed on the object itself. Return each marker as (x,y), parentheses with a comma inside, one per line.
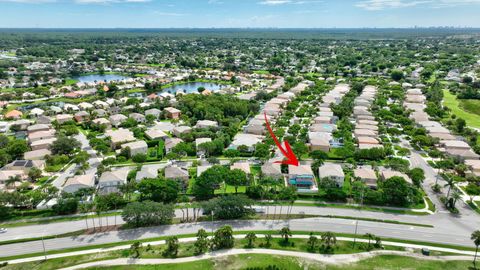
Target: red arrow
(291,159)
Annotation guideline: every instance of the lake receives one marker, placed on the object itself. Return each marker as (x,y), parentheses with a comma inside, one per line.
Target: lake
(192,87)
(100,78)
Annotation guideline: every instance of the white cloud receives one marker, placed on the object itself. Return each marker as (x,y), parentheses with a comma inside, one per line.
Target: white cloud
(274,2)
(389,4)
(454,3)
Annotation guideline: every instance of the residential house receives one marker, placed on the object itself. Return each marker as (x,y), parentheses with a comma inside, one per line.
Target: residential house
(120,136)
(77,182)
(147,172)
(117,119)
(155,134)
(14,114)
(63,118)
(366,175)
(332,171)
(172,113)
(37,154)
(42,144)
(170,143)
(81,116)
(387,174)
(136,147)
(178,131)
(111,180)
(198,142)
(140,118)
(301,176)
(241,165)
(154,112)
(248,140)
(206,124)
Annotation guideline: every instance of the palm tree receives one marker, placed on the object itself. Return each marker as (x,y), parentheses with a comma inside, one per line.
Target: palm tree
(285,233)
(312,242)
(450,183)
(329,239)
(455,197)
(268,239)
(476,240)
(370,238)
(251,237)
(12,180)
(84,209)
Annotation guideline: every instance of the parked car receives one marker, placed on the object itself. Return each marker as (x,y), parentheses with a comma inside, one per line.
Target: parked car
(3,230)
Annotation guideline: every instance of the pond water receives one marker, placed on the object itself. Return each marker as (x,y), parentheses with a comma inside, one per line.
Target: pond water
(192,87)
(100,78)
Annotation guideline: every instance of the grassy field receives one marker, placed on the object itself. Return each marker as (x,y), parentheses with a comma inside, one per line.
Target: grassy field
(470,105)
(257,261)
(454,104)
(188,250)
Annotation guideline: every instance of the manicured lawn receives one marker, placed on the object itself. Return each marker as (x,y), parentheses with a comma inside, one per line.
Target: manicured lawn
(261,261)
(70,81)
(470,105)
(230,190)
(451,102)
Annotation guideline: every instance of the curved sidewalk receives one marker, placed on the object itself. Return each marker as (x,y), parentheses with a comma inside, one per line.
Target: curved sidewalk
(237,236)
(323,258)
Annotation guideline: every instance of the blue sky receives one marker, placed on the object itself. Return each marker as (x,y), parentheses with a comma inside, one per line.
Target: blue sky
(238,13)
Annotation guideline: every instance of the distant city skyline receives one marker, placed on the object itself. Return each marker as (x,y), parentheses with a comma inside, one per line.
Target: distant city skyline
(238,14)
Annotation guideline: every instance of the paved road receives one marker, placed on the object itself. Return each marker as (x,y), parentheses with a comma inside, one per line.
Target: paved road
(56,228)
(436,235)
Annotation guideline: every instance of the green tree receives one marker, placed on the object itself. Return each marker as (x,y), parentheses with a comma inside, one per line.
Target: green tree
(370,237)
(64,145)
(476,240)
(396,75)
(329,239)
(251,237)
(172,247)
(268,240)
(396,191)
(417,175)
(223,238)
(158,190)
(17,148)
(201,245)
(208,181)
(229,207)
(135,249)
(236,178)
(312,242)
(285,233)
(140,214)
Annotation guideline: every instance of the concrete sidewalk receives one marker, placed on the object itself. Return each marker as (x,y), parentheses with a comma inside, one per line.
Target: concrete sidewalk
(239,236)
(324,258)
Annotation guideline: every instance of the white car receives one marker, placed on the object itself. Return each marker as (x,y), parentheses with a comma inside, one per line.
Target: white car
(3,230)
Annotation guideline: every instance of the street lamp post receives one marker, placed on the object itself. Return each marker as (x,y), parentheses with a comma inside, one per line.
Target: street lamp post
(211,213)
(44,250)
(355,237)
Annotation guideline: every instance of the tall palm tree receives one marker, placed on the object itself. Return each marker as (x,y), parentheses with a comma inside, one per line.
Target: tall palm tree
(251,237)
(12,180)
(84,209)
(285,233)
(476,240)
(370,238)
(450,183)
